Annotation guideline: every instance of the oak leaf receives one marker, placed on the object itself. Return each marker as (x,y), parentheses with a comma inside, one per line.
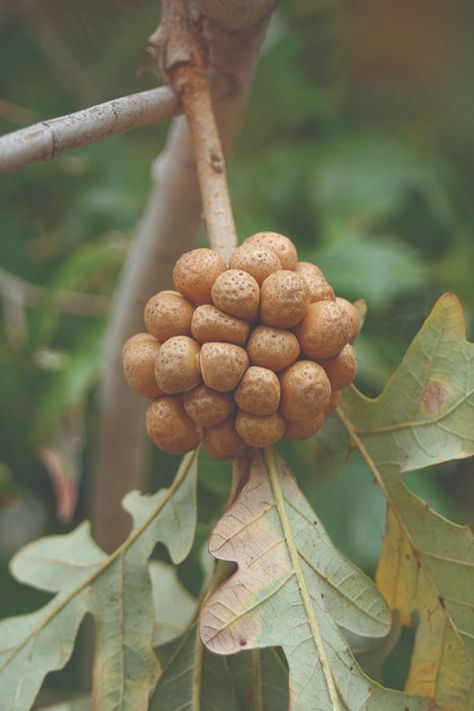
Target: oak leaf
(293,589)
(261,680)
(115,589)
(425,415)
(194,679)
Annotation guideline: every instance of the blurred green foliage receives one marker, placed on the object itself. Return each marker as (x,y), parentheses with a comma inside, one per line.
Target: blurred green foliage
(357,144)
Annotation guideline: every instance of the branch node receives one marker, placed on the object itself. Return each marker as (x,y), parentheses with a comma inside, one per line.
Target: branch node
(180,48)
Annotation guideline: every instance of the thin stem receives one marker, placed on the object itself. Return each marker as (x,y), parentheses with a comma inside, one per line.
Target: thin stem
(257,679)
(222,570)
(240,476)
(211,168)
(183,59)
(197,673)
(47,139)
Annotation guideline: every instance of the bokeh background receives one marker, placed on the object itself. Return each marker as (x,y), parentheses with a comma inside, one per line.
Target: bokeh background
(358,143)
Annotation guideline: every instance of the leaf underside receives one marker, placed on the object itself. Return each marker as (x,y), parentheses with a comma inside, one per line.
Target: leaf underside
(425,415)
(293,589)
(175,607)
(115,589)
(79,704)
(193,679)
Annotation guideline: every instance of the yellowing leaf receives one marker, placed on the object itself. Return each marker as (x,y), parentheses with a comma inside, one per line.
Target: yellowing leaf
(425,415)
(115,589)
(292,589)
(427,565)
(371,653)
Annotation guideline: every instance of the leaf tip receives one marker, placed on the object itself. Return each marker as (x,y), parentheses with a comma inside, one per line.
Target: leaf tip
(450,302)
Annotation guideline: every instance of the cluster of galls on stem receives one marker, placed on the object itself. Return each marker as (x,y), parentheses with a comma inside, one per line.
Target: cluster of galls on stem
(242,355)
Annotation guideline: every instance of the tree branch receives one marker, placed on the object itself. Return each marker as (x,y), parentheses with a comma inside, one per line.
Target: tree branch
(48,139)
(168,228)
(70,302)
(63,65)
(181,52)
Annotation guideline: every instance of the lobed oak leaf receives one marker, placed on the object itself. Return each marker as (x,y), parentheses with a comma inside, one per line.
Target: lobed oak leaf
(427,565)
(294,589)
(115,589)
(425,413)
(424,416)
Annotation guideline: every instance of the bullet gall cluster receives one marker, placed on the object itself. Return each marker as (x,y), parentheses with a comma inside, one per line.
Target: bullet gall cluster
(242,354)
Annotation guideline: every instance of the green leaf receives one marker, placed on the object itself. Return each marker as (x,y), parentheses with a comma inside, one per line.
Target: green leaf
(372,653)
(175,607)
(91,265)
(425,416)
(366,176)
(379,268)
(115,589)
(79,704)
(292,589)
(261,679)
(67,389)
(194,679)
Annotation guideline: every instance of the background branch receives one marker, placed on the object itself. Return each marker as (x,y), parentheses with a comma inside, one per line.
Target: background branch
(168,228)
(36,17)
(75,303)
(48,139)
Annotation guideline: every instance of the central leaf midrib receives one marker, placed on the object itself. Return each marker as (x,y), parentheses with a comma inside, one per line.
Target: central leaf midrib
(325,577)
(270,466)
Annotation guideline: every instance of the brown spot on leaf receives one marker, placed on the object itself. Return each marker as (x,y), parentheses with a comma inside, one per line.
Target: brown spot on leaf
(434,396)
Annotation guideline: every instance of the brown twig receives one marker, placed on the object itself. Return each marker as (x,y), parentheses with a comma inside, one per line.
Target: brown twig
(48,139)
(180,49)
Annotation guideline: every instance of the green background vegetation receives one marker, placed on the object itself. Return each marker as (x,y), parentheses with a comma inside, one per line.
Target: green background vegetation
(357,144)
